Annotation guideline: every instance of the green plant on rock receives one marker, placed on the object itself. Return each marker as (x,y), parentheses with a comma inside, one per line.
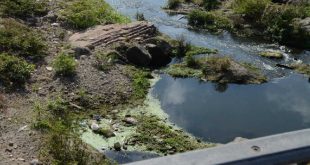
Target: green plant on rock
(82,14)
(13,70)
(20,40)
(24,8)
(64,65)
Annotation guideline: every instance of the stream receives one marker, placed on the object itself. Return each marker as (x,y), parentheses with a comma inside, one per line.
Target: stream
(218,113)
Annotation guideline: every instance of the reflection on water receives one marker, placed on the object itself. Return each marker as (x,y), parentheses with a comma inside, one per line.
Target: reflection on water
(219,113)
(122,157)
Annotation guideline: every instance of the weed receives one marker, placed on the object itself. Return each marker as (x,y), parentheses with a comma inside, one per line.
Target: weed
(64,65)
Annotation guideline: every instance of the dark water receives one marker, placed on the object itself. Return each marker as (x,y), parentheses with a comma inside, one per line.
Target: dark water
(122,157)
(221,113)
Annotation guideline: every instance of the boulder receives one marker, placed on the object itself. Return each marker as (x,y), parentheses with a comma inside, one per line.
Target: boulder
(160,57)
(300,35)
(138,55)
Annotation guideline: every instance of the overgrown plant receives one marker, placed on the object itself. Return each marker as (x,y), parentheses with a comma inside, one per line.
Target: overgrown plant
(82,14)
(23,8)
(13,70)
(64,65)
(20,40)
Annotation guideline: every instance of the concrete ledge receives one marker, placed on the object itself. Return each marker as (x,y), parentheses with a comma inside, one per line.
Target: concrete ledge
(291,147)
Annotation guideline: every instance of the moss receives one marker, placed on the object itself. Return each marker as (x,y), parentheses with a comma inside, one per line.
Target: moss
(218,69)
(14,71)
(302,68)
(275,54)
(20,40)
(213,20)
(23,8)
(140,84)
(160,138)
(196,50)
(82,14)
(183,71)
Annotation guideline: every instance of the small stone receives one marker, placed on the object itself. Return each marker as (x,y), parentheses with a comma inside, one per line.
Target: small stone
(117,146)
(94,126)
(35,162)
(21,159)
(130,120)
(8,150)
(11,144)
(55,24)
(49,68)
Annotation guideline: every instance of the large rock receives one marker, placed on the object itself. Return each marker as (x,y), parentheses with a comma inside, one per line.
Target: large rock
(300,35)
(138,55)
(160,57)
(105,35)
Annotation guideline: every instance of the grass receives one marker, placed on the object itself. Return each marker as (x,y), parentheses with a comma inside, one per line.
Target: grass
(14,70)
(140,84)
(23,8)
(61,144)
(302,68)
(160,138)
(106,60)
(252,9)
(64,65)
(18,39)
(212,20)
(183,71)
(81,14)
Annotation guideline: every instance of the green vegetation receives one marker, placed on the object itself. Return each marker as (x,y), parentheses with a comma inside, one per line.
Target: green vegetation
(273,54)
(217,69)
(253,9)
(302,68)
(82,14)
(213,20)
(18,39)
(278,20)
(182,48)
(64,65)
(23,8)
(160,138)
(211,4)
(183,71)
(173,4)
(141,84)
(62,144)
(105,61)
(13,70)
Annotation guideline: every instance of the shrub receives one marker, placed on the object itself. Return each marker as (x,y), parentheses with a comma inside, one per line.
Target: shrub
(252,9)
(14,70)
(82,14)
(173,4)
(211,4)
(277,20)
(18,39)
(64,65)
(24,8)
(209,20)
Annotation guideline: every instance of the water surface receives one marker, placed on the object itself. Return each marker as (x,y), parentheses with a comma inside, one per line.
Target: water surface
(220,113)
